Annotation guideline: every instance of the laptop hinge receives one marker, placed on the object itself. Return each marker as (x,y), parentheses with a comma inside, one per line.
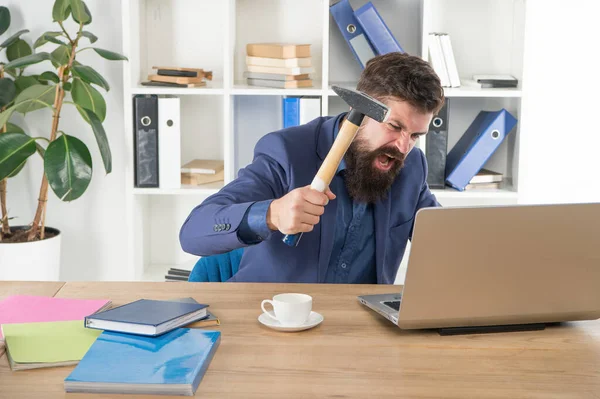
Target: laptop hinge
(491,329)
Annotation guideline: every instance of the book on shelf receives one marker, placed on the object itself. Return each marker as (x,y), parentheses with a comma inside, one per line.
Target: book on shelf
(47,344)
(167,84)
(283,66)
(147,317)
(491,81)
(280,71)
(275,76)
(278,50)
(178,77)
(483,186)
(279,62)
(175,79)
(183,72)
(202,171)
(280,84)
(442,59)
(486,176)
(172,364)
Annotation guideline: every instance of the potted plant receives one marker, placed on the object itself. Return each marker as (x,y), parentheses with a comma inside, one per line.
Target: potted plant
(33,251)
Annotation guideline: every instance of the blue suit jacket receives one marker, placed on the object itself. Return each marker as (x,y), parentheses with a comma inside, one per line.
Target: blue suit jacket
(285,160)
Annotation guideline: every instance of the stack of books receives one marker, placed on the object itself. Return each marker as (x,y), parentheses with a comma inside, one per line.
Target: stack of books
(202,171)
(178,77)
(485,180)
(278,65)
(496,81)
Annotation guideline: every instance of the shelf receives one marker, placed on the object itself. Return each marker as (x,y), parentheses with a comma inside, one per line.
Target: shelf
(243,89)
(205,189)
(465,91)
(211,88)
(473,194)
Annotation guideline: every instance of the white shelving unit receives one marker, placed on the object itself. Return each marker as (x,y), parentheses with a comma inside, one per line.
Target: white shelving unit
(225,119)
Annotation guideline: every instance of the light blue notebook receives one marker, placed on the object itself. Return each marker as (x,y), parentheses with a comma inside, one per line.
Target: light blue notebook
(171,364)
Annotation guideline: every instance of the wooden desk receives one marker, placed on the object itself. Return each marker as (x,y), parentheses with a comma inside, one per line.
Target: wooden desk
(353,353)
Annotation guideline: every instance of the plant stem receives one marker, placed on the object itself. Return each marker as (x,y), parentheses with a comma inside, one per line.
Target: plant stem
(3,184)
(40,214)
(65,32)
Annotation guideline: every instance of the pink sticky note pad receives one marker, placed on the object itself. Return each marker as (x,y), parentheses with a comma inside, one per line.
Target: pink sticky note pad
(30,309)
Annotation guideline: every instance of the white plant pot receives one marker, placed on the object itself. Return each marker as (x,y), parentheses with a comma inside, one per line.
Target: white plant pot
(31,261)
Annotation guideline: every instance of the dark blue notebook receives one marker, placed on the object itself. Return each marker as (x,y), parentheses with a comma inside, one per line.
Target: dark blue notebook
(172,364)
(147,317)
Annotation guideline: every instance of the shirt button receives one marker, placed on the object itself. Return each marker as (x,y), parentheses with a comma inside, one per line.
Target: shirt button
(343,265)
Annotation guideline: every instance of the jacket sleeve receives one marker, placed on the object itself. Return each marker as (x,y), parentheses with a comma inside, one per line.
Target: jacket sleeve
(212,227)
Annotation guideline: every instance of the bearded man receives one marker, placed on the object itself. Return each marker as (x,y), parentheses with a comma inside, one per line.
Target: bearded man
(354,233)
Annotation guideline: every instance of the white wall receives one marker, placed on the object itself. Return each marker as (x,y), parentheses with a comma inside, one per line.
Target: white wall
(561,102)
(93,225)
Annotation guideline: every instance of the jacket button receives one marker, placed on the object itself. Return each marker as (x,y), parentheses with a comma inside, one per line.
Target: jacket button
(215,228)
(227,226)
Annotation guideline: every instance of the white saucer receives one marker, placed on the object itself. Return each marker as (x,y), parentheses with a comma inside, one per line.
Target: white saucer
(314,319)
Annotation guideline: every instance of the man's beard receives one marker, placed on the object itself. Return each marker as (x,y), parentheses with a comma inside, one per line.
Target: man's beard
(365,182)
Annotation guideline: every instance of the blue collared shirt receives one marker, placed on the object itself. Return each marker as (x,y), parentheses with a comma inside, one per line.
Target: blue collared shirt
(352,258)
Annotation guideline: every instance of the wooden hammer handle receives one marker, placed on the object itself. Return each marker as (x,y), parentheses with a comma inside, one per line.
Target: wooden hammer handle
(335,156)
(327,170)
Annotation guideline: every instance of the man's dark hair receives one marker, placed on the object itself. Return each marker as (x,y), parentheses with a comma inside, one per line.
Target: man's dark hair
(404,76)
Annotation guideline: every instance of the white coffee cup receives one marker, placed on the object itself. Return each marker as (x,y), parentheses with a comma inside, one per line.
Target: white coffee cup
(290,309)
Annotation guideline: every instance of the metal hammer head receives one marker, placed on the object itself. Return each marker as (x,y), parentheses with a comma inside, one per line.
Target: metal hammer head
(363,103)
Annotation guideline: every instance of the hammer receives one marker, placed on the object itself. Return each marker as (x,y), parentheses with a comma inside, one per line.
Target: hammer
(361,105)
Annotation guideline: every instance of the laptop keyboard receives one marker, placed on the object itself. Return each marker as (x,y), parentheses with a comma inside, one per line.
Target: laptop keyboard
(393,304)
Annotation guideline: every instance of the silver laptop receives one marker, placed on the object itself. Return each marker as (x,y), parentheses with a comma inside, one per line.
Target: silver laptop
(520,265)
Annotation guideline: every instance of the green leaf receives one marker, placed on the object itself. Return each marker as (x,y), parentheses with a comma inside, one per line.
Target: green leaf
(89,75)
(12,128)
(68,167)
(81,14)
(35,97)
(4,19)
(53,39)
(110,55)
(5,116)
(18,49)
(67,86)
(15,148)
(61,10)
(42,39)
(89,98)
(84,113)
(13,38)
(49,77)
(16,171)
(102,140)
(93,38)
(60,56)
(8,91)
(16,129)
(28,60)
(23,82)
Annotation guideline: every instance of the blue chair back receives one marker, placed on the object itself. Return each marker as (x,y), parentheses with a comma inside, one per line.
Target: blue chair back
(216,268)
